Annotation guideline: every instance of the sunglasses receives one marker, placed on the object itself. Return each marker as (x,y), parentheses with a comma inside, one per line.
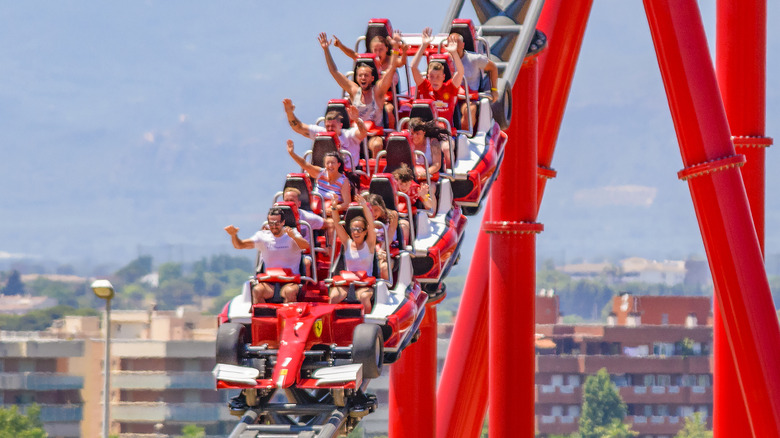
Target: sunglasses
(274,223)
(357,230)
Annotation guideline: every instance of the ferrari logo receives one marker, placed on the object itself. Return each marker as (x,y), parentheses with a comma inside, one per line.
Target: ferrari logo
(318,328)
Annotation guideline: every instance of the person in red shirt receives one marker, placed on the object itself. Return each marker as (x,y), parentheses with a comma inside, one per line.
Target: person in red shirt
(444,93)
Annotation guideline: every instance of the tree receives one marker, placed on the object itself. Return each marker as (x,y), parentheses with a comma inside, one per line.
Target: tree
(135,269)
(14,424)
(694,427)
(616,429)
(169,271)
(601,404)
(14,286)
(192,431)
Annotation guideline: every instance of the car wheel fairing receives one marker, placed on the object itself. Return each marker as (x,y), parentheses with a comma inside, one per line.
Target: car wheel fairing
(368,349)
(230,338)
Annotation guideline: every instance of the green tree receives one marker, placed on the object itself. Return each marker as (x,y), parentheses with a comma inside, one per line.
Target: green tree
(169,271)
(135,269)
(193,431)
(14,424)
(601,404)
(616,429)
(694,427)
(14,285)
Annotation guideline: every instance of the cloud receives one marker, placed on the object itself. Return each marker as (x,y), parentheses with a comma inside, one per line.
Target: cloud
(625,195)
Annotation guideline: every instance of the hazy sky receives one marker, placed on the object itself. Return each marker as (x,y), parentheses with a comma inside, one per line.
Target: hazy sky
(116,83)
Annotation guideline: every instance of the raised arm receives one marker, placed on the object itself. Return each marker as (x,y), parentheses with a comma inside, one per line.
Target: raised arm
(347,51)
(341,233)
(386,80)
(370,230)
(295,124)
(354,115)
(238,243)
(452,49)
(426,41)
(311,169)
(342,80)
(401,61)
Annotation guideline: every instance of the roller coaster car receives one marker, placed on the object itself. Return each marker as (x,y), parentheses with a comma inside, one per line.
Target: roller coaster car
(435,235)
(313,345)
(475,159)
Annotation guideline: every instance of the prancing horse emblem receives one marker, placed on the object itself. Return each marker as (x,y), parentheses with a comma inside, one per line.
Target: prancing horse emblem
(318,328)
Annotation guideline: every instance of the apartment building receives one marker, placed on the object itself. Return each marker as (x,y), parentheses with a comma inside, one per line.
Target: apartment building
(34,368)
(656,350)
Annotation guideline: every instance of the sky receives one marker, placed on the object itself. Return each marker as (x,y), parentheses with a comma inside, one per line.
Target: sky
(123,88)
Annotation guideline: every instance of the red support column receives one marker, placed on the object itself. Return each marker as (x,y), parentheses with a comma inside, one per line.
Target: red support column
(412,392)
(564,24)
(711,169)
(741,71)
(463,391)
(513,268)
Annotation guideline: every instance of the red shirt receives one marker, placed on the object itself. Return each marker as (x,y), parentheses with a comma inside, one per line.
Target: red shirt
(444,98)
(414,195)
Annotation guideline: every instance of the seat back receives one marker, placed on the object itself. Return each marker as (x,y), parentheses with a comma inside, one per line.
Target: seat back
(425,109)
(465,27)
(340,105)
(290,215)
(303,183)
(377,27)
(399,151)
(384,185)
(444,60)
(324,142)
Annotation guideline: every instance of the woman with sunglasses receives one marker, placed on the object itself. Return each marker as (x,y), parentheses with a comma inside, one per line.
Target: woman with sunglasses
(359,247)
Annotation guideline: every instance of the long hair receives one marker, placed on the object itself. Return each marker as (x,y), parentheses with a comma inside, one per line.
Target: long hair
(430,128)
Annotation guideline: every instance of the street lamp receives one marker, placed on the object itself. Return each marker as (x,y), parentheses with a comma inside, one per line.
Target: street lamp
(104,290)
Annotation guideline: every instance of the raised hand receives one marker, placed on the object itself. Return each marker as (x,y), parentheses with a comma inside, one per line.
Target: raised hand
(427,37)
(336,42)
(290,147)
(323,39)
(288,105)
(231,230)
(353,113)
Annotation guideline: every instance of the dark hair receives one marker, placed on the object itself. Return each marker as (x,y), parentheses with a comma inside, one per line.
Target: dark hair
(337,156)
(333,115)
(435,66)
(385,40)
(430,128)
(359,218)
(276,211)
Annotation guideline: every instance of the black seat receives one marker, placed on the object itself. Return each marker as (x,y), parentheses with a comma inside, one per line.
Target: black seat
(465,27)
(340,106)
(377,27)
(398,151)
(302,183)
(324,142)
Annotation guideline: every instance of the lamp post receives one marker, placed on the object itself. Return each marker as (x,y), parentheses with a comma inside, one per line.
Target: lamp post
(104,290)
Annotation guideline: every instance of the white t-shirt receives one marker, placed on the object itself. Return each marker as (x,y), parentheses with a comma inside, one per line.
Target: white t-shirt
(278,252)
(348,142)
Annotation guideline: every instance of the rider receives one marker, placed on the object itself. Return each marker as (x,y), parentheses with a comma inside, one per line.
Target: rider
(360,245)
(365,92)
(280,247)
(474,65)
(349,138)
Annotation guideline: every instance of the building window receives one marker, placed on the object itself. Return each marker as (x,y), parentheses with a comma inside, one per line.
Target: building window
(663,380)
(556,411)
(664,319)
(704,380)
(649,380)
(573,380)
(556,380)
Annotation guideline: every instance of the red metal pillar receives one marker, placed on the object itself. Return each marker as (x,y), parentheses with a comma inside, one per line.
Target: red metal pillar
(513,268)
(741,71)
(712,171)
(564,24)
(463,391)
(412,392)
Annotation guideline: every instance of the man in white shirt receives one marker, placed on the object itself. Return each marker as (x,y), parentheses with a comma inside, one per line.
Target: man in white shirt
(349,138)
(280,247)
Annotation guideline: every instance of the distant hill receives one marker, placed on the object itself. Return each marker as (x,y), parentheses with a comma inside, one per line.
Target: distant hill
(146,127)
